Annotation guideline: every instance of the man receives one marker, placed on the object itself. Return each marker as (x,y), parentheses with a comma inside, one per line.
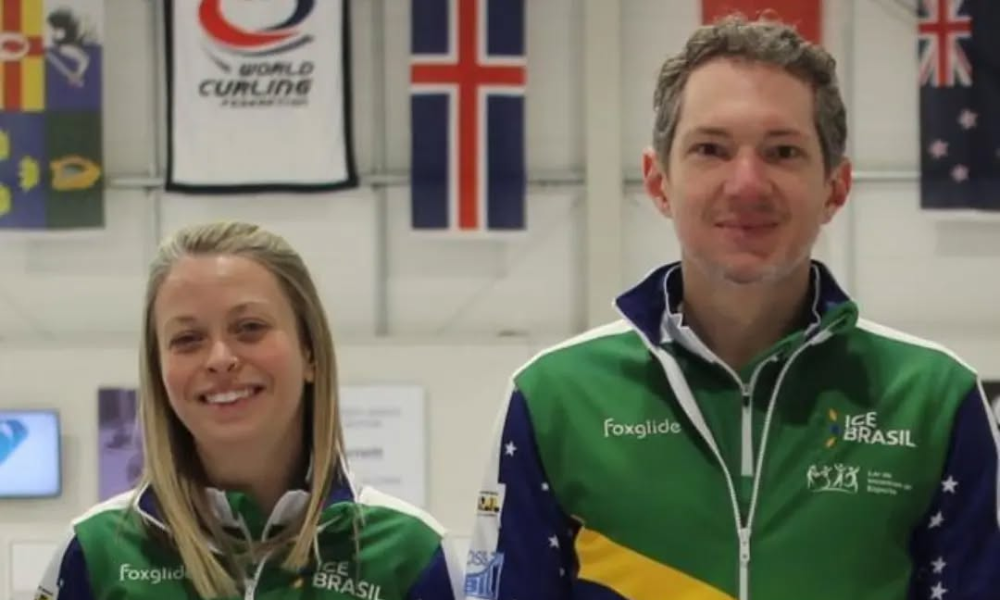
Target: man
(741,432)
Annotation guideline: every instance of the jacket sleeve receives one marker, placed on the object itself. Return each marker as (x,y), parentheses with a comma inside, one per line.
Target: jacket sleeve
(522,542)
(441,579)
(956,550)
(66,577)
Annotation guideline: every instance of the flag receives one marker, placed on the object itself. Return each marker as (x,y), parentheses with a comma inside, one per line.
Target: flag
(51,153)
(467,115)
(258,96)
(804,15)
(959,71)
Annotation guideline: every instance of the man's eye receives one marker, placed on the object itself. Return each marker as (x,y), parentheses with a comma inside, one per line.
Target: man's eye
(785,152)
(707,149)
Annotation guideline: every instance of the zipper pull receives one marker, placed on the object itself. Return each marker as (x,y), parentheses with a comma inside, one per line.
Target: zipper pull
(744,546)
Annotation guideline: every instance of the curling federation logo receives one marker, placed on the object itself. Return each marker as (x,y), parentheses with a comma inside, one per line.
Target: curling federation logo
(272,39)
(260,65)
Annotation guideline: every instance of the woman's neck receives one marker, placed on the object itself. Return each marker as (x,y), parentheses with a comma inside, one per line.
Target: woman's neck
(264,473)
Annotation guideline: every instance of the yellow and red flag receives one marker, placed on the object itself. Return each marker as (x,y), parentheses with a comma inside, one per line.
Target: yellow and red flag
(22,77)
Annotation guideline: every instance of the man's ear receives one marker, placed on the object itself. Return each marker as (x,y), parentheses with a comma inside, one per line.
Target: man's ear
(840,189)
(654,180)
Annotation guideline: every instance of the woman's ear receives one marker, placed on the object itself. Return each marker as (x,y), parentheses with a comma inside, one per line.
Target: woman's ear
(309,371)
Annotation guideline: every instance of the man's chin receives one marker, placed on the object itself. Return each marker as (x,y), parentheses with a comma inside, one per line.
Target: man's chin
(753,273)
(746,269)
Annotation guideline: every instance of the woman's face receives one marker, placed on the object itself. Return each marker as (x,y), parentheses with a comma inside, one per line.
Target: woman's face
(232,360)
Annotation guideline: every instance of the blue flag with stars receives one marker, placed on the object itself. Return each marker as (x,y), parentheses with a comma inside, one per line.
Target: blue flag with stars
(959,70)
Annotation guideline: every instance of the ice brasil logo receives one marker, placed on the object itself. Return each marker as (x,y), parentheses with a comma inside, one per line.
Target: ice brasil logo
(12,433)
(273,39)
(865,429)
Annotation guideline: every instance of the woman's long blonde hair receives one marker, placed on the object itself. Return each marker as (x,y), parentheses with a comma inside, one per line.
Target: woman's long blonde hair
(171,465)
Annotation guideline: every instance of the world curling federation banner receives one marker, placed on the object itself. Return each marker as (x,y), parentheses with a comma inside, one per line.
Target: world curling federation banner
(51,158)
(258,96)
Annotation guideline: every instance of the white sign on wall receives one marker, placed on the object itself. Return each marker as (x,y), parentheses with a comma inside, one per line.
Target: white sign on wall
(28,560)
(385,434)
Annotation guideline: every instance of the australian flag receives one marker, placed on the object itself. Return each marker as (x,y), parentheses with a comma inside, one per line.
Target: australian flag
(959,53)
(467,107)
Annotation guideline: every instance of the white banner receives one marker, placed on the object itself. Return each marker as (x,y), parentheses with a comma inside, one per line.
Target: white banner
(385,433)
(258,96)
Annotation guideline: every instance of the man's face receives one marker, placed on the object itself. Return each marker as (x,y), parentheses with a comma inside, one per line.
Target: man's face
(745,185)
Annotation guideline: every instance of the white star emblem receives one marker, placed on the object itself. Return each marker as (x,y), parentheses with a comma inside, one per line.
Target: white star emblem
(938,149)
(967,119)
(939,565)
(949,485)
(938,592)
(960,173)
(553,542)
(936,520)
(510,449)
(545,487)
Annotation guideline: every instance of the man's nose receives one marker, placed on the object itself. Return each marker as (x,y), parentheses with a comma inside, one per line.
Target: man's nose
(748,177)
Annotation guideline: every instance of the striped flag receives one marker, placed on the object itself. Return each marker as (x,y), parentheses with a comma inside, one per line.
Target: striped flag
(804,15)
(22,75)
(467,109)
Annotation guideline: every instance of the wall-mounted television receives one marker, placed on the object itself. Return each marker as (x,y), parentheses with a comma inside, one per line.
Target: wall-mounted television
(30,450)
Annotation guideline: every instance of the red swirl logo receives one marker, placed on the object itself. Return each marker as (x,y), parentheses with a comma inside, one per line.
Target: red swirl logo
(280,37)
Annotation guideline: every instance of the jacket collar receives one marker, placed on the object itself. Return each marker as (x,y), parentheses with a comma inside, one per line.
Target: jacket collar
(238,511)
(653,308)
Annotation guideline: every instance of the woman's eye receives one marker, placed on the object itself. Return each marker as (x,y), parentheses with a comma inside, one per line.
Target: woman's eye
(251,327)
(184,340)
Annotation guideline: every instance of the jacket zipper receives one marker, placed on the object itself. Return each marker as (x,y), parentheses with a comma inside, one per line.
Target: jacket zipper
(746,403)
(746,466)
(686,398)
(745,533)
(745,563)
(251,583)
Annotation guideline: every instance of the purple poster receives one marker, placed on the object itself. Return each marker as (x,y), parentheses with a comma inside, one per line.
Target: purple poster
(119,441)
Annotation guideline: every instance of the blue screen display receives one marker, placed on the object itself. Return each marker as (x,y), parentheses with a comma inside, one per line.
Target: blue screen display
(30,465)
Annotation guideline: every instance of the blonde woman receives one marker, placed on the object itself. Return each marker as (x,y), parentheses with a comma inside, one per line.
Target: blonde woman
(245,493)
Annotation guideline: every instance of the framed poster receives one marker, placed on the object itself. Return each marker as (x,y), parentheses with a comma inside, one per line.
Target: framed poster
(119,445)
(385,433)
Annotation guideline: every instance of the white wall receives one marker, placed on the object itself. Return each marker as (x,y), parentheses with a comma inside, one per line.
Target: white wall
(458,317)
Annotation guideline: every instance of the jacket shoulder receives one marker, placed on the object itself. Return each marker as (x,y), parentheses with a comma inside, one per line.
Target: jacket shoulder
(894,347)
(595,348)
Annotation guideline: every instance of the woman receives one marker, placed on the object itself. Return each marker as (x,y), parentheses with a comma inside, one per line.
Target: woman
(245,491)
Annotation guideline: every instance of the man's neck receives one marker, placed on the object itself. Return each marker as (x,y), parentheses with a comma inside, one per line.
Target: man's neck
(264,473)
(738,322)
